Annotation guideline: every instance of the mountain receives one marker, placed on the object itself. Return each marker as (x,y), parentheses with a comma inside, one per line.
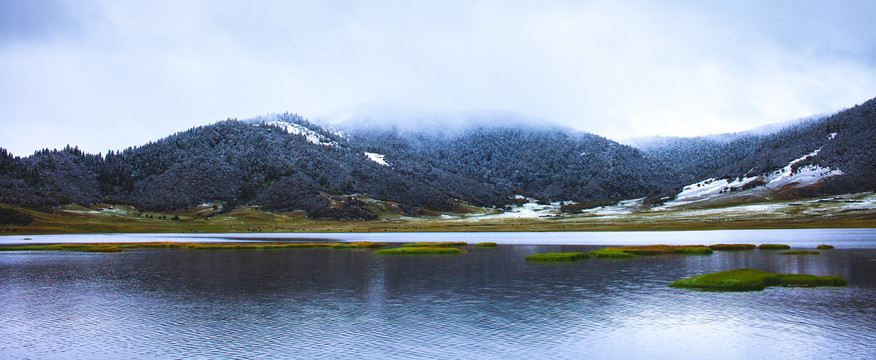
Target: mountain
(838,151)
(286,163)
(486,163)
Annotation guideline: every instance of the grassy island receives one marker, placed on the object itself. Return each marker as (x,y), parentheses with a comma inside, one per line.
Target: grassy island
(774,247)
(611,254)
(824,247)
(487,245)
(557,257)
(732,247)
(420,251)
(436,244)
(799,252)
(625,252)
(754,280)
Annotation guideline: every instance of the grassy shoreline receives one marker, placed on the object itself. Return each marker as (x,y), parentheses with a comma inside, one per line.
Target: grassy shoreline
(103,218)
(121,246)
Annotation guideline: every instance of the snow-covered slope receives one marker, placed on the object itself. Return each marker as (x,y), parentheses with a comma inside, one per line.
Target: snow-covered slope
(788,177)
(802,176)
(308,134)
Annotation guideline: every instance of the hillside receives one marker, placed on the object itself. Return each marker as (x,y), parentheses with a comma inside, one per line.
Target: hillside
(838,151)
(285,163)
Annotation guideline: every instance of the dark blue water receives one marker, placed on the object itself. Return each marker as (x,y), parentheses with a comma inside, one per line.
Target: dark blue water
(486,303)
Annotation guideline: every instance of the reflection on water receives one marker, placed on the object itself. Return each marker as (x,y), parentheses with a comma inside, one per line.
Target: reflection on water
(487,303)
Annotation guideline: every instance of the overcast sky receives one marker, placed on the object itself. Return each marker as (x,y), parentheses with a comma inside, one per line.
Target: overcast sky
(112,74)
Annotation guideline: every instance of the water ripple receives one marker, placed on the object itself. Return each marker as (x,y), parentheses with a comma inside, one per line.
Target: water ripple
(327,304)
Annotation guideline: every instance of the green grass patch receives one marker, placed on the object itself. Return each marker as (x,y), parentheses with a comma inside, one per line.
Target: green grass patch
(732,247)
(824,247)
(611,254)
(693,250)
(648,250)
(420,251)
(487,245)
(557,257)
(799,252)
(754,280)
(436,244)
(774,247)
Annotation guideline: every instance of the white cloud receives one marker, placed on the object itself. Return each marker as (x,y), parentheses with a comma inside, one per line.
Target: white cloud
(123,73)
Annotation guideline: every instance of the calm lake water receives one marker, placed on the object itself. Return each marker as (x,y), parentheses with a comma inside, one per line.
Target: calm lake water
(486,303)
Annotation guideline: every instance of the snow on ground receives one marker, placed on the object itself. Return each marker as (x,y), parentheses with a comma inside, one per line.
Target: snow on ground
(107,211)
(725,213)
(95,212)
(529,210)
(702,189)
(862,202)
(804,176)
(340,134)
(625,207)
(308,134)
(378,158)
(710,188)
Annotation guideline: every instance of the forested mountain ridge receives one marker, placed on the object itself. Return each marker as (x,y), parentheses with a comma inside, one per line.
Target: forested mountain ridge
(232,162)
(285,163)
(542,162)
(845,141)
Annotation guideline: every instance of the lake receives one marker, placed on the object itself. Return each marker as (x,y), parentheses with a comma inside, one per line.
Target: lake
(486,303)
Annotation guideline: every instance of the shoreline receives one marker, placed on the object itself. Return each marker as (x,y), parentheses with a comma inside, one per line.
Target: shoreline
(856,211)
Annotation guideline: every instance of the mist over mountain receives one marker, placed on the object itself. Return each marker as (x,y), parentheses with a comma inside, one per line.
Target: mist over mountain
(286,163)
(440,124)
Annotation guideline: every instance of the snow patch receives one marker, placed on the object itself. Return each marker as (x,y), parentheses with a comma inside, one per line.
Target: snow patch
(529,210)
(831,136)
(804,176)
(378,158)
(340,134)
(710,188)
(309,135)
(776,180)
(624,207)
